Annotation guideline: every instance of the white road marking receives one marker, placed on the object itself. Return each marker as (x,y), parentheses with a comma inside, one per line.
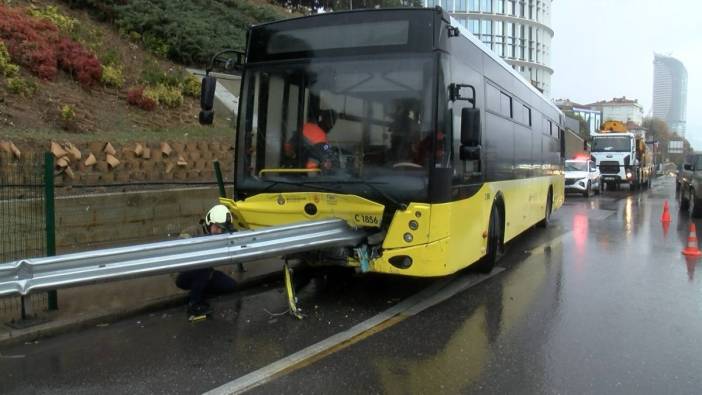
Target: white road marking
(436,293)
(428,297)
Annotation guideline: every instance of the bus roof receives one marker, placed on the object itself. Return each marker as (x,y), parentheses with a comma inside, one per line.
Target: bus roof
(322,14)
(464,32)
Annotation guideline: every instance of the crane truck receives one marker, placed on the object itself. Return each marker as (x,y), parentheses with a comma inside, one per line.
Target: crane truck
(622,156)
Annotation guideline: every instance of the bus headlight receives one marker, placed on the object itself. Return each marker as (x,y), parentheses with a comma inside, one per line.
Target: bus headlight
(628,175)
(408,237)
(413,225)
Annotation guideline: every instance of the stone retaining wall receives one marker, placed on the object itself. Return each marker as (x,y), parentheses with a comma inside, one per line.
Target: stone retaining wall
(109,219)
(136,162)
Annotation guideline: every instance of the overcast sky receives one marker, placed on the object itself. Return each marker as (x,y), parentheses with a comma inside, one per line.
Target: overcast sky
(604,49)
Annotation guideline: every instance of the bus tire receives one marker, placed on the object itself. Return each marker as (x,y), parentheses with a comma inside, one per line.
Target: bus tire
(495,242)
(547,212)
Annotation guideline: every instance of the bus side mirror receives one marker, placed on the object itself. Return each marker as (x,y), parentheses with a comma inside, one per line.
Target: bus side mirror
(207,94)
(470,126)
(462,92)
(470,134)
(585,147)
(688,167)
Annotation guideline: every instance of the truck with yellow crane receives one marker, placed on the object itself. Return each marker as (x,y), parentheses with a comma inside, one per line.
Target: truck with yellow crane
(622,156)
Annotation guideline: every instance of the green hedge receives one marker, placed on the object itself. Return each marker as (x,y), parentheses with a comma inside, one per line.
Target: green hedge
(187,31)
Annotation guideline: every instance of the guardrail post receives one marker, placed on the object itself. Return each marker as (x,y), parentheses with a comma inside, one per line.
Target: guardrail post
(220,180)
(50,219)
(223,193)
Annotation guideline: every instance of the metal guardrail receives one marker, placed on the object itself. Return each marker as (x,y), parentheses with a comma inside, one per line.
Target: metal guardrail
(29,275)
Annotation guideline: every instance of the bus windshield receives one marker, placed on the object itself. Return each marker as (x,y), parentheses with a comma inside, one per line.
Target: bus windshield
(340,125)
(611,144)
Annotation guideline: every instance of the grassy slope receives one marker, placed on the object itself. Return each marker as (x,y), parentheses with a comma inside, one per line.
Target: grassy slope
(100,112)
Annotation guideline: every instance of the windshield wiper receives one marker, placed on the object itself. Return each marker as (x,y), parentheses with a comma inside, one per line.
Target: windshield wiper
(372,186)
(307,184)
(311,183)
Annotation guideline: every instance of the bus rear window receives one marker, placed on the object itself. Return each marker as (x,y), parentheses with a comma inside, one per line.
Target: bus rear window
(368,34)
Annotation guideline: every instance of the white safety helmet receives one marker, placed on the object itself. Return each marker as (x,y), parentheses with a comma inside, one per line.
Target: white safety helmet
(219,215)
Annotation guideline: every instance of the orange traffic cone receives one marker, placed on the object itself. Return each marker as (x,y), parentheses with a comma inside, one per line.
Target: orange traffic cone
(692,249)
(666,228)
(666,212)
(691,263)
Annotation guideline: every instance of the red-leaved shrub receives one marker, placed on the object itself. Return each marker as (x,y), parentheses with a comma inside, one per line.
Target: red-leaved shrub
(77,61)
(29,41)
(37,44)
(135,97)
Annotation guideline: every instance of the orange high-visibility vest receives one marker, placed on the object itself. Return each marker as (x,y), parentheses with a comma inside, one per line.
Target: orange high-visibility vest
(313,135)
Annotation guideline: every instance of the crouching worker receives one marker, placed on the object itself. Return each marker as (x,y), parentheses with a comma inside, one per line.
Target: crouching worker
(207,282)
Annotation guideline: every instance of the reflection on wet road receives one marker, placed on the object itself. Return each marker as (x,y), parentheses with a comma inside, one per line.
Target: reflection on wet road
(600,302)
(611,308)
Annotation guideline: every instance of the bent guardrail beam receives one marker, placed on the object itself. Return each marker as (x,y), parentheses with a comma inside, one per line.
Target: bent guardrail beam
(29,275)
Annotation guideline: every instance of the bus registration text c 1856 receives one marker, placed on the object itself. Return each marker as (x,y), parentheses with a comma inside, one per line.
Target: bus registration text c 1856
(367,219)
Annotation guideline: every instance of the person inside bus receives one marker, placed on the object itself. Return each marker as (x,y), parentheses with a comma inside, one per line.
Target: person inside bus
(207,281)
(422,151)
(316,149)
(404,132)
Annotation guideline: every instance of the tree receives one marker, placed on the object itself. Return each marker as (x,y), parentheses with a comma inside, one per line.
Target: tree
(658,129)
(584,127)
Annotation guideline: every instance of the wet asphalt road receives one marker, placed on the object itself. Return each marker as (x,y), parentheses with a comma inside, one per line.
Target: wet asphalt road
(600,302)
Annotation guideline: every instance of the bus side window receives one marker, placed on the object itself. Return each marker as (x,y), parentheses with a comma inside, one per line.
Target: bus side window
(527,115)
(492,99)
(517,113)
(506,105)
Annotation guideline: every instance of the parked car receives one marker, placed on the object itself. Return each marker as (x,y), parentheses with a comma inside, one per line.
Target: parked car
(690,185)
(679,177)
(582,176)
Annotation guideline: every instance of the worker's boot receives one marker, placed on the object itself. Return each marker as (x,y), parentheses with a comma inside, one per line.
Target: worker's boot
(198,311)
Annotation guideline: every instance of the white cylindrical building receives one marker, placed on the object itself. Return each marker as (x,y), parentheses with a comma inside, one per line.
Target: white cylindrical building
(517,30)
(670,92)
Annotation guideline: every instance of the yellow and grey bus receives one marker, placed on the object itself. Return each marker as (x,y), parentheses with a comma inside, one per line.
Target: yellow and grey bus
(432,144)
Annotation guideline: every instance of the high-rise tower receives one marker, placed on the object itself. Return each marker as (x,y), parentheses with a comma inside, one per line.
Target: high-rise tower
(517,30)
(670,92)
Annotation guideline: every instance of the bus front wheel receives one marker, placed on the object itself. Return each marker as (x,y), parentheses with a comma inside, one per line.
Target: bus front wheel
(495,244)
(549,208)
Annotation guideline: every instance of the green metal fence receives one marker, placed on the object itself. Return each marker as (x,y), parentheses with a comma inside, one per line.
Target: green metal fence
(23,222)
(27,226)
